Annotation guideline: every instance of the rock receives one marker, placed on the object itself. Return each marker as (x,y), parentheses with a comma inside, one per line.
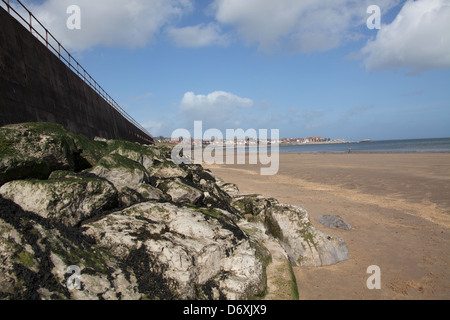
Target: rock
(198,173)
(67,201)
(252,204)
(36,254)
(138,226)
(13,251)
(120,171)
(34,150)
(91,151)
(181,253)
(180,191)
(167,169)
(304,245)
(213,195)
(15,167)
(230,188)
(134,151)
(281,281)
(333,222)
(142,193)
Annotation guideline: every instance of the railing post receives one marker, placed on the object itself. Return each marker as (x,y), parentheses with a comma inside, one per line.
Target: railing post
(7,4)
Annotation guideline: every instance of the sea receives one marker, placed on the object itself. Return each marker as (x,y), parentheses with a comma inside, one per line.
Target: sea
(437,145)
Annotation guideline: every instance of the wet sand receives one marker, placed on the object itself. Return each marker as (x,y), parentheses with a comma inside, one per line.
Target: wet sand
(397,204)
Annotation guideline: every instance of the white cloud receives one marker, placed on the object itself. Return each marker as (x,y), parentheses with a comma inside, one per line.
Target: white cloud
(218,109)
(198,36)
(109,22)
(300,26)
(418,39)
(218,100)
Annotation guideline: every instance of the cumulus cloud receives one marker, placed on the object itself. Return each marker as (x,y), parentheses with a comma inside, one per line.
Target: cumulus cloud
(418,39)
(300,26)
(297,26)
(218,100)
(109,22)
(218,109)
(198,36)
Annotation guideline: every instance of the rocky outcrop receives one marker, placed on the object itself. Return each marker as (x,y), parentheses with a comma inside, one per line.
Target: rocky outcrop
(188,253)
(304,244)
(120,220)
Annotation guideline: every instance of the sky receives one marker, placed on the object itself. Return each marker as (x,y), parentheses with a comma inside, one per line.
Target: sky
(305,67)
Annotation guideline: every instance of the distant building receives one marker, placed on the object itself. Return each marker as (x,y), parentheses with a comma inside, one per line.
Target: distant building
(315,139)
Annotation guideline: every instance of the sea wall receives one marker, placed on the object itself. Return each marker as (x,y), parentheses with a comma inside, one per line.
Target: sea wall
(35,86)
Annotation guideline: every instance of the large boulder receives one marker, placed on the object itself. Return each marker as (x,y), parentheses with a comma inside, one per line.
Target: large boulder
(142,193)
(180,191)
(252,206)
(280,278)
(33,150)
(39,257)
(304,244)
(91,151)
(230,188)
(121,171)
(13,167)
(144,155)
(214,196)
(167,169)
(181,253)
(68,200)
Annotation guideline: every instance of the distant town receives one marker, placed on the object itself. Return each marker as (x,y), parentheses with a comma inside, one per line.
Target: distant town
(250,142)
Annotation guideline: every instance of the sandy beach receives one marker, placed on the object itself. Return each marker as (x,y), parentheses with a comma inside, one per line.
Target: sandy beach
(397,204)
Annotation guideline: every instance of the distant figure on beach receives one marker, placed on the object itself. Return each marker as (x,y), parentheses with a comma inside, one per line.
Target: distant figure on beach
(350,150)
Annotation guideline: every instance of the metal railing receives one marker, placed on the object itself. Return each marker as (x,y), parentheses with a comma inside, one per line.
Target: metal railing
(51,42)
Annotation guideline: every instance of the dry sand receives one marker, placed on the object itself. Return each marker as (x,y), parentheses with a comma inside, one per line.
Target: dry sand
(397,204)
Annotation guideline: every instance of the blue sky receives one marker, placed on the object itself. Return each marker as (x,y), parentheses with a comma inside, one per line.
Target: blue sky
(308,68)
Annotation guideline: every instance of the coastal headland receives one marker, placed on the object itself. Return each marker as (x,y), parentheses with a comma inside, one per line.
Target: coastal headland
(398,206)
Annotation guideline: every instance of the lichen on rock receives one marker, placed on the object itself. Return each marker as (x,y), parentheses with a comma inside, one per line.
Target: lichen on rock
(67,201)
(184,248)
(120,171)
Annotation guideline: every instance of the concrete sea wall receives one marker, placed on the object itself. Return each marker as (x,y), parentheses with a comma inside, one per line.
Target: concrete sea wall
(35,86)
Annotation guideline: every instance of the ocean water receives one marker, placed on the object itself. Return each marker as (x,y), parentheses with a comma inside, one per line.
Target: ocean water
(385,146)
